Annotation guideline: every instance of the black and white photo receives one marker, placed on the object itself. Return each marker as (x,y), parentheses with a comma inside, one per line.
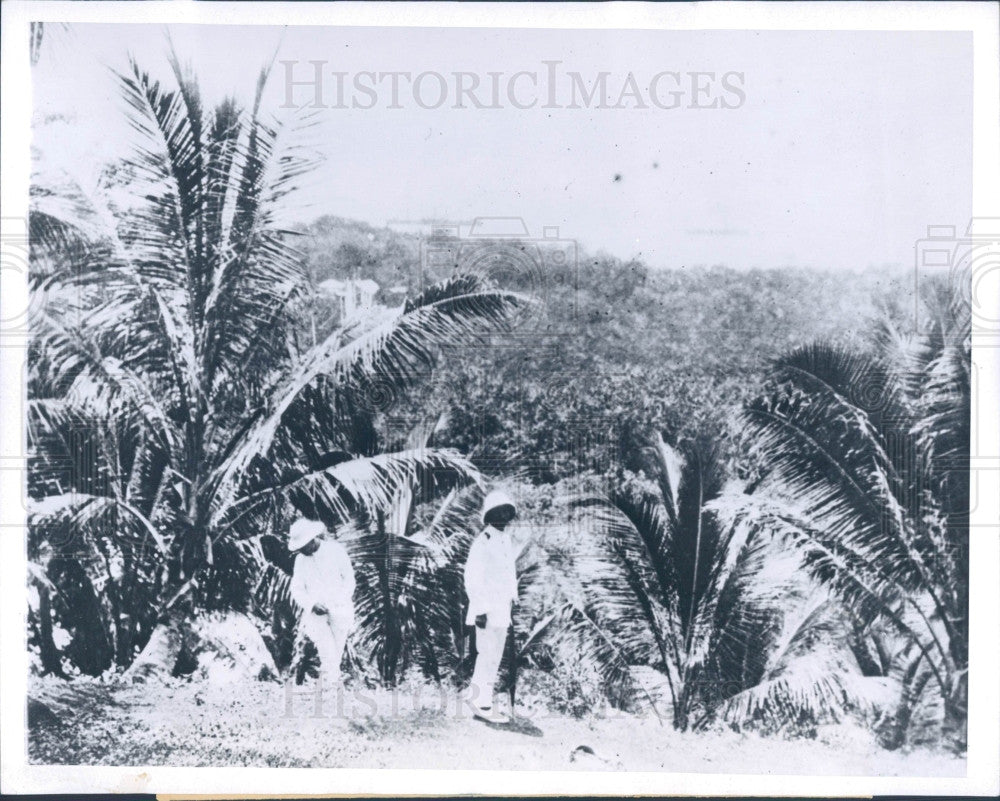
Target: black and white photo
(492,399)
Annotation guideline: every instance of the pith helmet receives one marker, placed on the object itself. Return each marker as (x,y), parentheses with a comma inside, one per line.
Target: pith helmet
(303,532)
(495,500)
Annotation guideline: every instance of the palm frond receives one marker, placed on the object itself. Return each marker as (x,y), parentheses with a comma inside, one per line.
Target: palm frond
(80,512)
(395,351)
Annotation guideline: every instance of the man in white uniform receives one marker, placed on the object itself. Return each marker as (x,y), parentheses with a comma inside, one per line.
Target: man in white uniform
(323,586)
(491,586)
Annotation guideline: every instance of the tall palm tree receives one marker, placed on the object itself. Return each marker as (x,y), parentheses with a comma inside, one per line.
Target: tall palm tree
(174,316)
(865,468)
(670,583)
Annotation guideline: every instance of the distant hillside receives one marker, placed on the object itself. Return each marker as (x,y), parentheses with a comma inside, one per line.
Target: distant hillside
(611,347)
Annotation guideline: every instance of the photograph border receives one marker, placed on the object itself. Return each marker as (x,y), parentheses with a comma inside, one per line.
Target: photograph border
(983,765)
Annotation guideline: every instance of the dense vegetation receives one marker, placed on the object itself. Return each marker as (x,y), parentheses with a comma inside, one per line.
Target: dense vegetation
(747,488)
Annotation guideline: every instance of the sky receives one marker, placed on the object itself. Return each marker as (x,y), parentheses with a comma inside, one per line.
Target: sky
(837,152)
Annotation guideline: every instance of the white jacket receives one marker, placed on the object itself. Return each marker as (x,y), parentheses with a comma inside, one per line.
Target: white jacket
(324,577)
(491,576)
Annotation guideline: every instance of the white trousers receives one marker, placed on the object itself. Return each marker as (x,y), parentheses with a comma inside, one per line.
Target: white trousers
(329,634)
(490,642)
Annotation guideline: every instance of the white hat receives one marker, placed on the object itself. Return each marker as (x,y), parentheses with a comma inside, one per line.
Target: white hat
(495,500)
(303,532)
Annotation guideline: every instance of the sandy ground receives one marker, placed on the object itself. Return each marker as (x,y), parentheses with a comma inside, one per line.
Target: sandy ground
(265,724)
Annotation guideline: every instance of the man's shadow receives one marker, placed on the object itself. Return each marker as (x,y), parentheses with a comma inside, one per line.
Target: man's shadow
(516,725)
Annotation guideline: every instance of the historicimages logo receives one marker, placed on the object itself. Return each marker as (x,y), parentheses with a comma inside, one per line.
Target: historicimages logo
(503,250)
(317,84)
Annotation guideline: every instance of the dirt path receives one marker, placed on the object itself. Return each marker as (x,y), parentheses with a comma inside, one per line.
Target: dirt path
(263,724)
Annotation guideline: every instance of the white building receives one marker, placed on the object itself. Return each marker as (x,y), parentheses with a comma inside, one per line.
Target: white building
(353,297)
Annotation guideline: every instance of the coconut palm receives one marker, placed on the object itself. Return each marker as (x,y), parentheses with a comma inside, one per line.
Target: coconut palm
(865,468)
(177,323)
(410,595)
(407,559)
(669,582)
(96,565)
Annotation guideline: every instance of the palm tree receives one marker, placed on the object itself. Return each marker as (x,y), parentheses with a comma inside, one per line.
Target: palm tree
(409,594)
(864,460)
(670,583)
(96,567)
(410,586)
(176,324)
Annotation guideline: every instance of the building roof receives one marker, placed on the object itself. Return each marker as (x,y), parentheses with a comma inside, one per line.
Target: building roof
(333,286)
